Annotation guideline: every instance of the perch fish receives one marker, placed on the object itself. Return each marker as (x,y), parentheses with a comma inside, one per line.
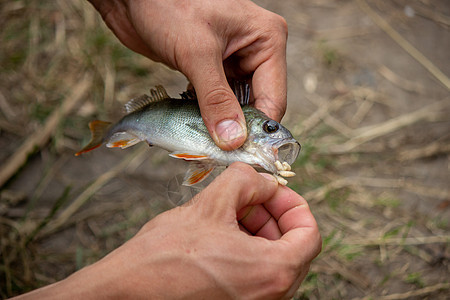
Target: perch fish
(177,126)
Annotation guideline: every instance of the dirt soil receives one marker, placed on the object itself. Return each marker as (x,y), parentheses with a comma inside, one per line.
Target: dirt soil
(368,99)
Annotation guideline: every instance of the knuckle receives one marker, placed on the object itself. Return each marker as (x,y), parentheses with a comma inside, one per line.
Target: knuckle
(278,27)
(281,24)
(218,104)
(218,96)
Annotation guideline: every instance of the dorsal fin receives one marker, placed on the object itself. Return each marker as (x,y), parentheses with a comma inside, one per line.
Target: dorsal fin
(189,94)
(241,90)
(137,103)
(157,94)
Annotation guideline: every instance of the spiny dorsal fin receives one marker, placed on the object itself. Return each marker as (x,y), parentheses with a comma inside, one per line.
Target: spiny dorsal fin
(157,94)
(189,94)
(137,103)
(242,91)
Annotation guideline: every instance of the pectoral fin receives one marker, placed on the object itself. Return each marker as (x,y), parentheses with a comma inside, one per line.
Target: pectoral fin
(122,140)
(197,173)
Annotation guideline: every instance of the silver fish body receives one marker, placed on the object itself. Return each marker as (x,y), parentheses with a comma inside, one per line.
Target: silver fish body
(177,126)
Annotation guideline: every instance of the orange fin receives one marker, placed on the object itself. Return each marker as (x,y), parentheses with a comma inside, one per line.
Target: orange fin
(197,173)
(122,140)
(188,156)
(98,129)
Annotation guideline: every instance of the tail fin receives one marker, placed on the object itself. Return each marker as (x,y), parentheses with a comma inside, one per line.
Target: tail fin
(98,130)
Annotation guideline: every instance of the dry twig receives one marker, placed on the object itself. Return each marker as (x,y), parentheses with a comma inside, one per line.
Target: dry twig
(368,133)
(420,240)
(324,108)
(59,221)
(420,292)
(358,279)
(402,42)
(6,109)
(42,135)
(432,149)
(401,82)
(319,194)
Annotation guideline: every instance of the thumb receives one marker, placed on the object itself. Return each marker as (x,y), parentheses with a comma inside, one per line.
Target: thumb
(219,107)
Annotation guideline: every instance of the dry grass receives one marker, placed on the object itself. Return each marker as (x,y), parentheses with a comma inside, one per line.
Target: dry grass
(374,164)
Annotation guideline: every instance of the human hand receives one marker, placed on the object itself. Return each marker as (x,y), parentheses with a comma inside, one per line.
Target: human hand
(201,251)
(208,41)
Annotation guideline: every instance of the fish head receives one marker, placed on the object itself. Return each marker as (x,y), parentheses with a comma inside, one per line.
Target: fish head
(269,141)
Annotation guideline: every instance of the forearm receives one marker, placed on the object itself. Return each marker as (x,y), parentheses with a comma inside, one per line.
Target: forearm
(84,284)
(134,271)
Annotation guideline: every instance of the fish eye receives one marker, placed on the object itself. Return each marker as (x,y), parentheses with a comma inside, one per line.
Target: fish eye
(271,126)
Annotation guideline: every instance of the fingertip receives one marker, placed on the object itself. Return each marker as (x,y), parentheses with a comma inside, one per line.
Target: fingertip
(274,109)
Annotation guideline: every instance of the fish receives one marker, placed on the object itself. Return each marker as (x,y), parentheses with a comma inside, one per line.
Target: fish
(176,125)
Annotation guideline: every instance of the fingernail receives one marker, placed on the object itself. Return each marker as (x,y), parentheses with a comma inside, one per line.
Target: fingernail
(229,130)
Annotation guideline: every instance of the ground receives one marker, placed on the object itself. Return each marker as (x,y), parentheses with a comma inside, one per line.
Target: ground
(368,99)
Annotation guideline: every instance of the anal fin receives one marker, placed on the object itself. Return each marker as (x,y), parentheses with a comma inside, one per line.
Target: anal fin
(197,173)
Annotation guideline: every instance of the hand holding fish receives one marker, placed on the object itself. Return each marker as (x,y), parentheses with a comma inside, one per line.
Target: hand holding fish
(243,237)
(210,41)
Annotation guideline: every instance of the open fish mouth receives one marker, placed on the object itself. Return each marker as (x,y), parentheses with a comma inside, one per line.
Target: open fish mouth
(288,151)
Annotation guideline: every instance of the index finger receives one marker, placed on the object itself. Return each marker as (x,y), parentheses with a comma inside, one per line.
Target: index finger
(265,59)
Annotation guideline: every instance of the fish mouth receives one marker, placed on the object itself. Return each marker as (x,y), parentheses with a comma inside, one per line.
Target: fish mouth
(288,151)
